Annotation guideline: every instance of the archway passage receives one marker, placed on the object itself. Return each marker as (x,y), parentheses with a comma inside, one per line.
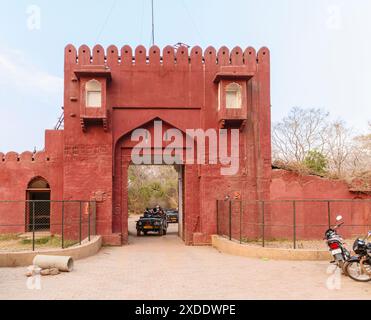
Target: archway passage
(149,186)
(188,179)
(38,205)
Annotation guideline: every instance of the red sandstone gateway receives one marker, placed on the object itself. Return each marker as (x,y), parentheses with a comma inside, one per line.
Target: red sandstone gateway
(110,93)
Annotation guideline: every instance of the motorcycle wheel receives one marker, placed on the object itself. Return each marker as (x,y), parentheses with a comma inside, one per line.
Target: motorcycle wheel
(354,271)
(344,268)
(138,233)
(340,263)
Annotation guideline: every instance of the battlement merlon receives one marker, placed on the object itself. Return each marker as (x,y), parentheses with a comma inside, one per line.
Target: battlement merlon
(168,56)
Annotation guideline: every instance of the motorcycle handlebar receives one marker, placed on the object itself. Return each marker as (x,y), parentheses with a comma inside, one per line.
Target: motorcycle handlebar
(338,225)
(335,227)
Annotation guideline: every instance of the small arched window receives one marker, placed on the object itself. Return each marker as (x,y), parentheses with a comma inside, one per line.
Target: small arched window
(93,94)
(233,96)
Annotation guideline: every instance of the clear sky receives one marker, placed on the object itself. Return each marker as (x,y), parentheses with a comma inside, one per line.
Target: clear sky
(320,51)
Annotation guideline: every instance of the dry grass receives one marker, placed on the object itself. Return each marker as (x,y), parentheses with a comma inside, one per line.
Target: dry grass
(288,244)
(15,242)
(9,236)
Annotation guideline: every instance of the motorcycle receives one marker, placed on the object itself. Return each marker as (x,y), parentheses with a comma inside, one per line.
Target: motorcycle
(336,245)
(358,267)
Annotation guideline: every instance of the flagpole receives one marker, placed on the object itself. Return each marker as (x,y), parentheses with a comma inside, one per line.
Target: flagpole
(153,23)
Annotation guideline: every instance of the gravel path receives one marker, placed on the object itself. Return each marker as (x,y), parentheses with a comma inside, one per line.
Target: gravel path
(155,267)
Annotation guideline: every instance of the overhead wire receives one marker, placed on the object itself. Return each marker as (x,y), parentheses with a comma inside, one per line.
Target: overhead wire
(114,2)
(199,33)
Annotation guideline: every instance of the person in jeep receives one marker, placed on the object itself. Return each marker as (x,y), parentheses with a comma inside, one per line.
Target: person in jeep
(159,211)
(147,213)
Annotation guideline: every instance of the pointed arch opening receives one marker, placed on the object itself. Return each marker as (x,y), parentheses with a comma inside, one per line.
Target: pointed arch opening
(173,174)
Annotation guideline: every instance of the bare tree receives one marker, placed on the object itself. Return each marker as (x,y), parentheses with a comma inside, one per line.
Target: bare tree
(338,148)
(307,130)
(365,140)
(301,131)
(360,158)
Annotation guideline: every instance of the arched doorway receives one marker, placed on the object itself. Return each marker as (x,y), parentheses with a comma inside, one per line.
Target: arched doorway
(38,205)
(188,184)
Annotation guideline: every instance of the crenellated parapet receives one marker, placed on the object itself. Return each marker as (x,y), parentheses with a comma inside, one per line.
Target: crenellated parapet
(184,86)
(23,157)
(168,56)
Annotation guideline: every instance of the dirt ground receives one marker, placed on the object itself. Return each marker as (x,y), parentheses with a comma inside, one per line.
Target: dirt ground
(156,267)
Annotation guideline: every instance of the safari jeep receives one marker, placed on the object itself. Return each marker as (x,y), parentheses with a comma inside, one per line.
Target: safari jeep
(153,223)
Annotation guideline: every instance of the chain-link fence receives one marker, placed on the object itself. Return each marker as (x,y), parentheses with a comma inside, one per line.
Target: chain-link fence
(291,223)
(44,224)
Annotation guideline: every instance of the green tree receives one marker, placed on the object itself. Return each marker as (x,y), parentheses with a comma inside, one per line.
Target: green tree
(316,162)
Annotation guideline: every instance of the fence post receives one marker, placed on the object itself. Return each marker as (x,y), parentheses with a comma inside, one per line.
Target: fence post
(217,217)
(33,226)
(230,219)
(329,214)
(62,224)
(89,215)
(294,209)
(80,222)
(263,222)
(241,203)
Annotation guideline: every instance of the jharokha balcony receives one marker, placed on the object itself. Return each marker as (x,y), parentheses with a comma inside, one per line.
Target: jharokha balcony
(232,95)
(93,87)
